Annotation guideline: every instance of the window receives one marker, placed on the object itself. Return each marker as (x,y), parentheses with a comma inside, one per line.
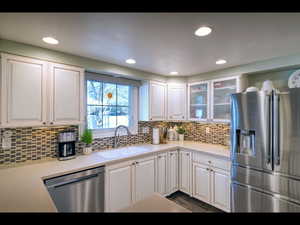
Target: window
(109,105)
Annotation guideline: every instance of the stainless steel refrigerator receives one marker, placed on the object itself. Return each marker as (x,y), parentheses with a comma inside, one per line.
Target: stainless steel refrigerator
(265,154)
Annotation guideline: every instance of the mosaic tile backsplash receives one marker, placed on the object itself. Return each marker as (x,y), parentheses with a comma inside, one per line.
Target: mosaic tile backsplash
(38,143)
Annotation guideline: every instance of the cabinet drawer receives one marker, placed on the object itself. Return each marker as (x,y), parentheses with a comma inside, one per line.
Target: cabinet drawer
(213,161)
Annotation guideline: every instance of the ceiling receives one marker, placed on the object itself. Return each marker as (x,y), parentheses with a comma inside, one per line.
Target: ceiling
(160,42)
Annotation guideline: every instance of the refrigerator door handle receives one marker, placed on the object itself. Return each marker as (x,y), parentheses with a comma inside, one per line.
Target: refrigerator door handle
(276,135)
(269,130)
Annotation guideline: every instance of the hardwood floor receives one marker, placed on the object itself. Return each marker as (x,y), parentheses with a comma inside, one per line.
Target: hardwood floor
(192,204)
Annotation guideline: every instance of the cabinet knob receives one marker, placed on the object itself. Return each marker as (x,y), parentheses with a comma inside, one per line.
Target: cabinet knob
(159,156)
(207,169)
(51,122)
(136,163)
(187,154)
(209,161)
(44,123)
(133,163)
(182,117)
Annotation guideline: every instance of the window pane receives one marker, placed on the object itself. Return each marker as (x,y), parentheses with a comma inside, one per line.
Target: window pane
(109,117)
(109,94)
(94,92)
(123,116)
(123,95)
(94,117)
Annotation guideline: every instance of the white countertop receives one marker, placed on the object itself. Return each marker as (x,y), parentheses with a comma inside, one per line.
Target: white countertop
(22,188)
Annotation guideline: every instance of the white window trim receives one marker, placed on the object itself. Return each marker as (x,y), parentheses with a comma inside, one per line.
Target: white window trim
(110,132)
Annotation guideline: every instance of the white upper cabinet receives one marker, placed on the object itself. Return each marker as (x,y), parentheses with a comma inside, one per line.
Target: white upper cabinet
(220,104)
(210,100)
(198,101)
(153,101)
(176,101)
(23,91)
(66,97)
(39,93)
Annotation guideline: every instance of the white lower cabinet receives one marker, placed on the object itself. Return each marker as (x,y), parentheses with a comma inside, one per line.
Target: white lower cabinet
(211,185)
(144,178)
(185,171)
(128,182)
(221,189)
(172,171)
(202,176)
(118,186)
(201,182)
(161,174)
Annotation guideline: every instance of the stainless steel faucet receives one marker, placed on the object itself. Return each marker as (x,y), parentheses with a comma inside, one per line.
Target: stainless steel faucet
(116,142)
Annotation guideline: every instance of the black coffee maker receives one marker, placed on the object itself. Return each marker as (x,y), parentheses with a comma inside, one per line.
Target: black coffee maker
(66,145)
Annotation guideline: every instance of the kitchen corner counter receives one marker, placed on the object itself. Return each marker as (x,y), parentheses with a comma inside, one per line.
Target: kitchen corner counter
(22,188)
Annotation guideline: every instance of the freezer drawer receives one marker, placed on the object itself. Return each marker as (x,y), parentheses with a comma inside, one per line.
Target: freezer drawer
(247,199)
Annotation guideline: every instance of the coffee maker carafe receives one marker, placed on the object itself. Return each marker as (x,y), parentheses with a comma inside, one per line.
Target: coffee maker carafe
(66,145)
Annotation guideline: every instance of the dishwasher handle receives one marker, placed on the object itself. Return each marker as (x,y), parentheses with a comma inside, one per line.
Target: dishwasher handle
(75,180)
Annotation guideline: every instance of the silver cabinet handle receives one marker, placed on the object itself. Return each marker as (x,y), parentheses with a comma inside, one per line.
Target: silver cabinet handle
(276,128)
(187,154)
(159,156)
(209,161)
(207,169)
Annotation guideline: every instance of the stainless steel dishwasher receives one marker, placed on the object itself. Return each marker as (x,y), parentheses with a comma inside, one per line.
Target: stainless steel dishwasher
(82,191)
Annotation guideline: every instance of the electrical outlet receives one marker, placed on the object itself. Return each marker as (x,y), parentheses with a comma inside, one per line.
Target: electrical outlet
(6,139)
(207,130)
(145,130)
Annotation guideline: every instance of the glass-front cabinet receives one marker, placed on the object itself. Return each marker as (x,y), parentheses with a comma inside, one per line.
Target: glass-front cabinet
(198,101)
(210,100)
(221,90)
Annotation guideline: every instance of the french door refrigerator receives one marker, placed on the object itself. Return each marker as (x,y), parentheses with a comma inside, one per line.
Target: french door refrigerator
(265,154)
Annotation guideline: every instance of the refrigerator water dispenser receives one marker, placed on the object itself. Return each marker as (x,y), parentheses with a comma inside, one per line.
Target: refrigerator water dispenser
(246,142)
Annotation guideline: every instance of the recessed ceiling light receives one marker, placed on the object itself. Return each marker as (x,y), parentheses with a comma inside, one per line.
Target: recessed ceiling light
(50,40)
(221,61)
(203,31)
(174,73)
(130,61)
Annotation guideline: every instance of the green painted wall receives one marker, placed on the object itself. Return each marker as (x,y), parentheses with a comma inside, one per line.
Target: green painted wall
(279,78)
(97,66)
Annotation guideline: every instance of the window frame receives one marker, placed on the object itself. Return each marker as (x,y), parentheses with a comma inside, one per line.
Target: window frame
(133,111)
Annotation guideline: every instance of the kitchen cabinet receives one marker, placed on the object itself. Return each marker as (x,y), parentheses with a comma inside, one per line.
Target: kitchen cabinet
(202,176)
(161,173)
(128,182)
(176,102)
(220,98)
(221,189)
(185,160)
(172,171)
(210,100)
(66,98)
(201,182)
(211,180)
(118,186)
(144,179)
(153,101)
(23,91)
(40,93)
(198,101)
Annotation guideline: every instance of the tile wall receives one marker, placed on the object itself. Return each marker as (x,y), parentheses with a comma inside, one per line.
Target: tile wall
(36,143)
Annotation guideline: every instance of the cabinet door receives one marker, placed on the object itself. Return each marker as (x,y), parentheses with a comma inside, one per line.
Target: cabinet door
(221,90)
(118,186)
(161,174)
(23,91)
(144,179)
(157,101)
(172,171)
(221,189)
(198,101)
(66,94)
(184,171)
(201,182)
(176,101)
